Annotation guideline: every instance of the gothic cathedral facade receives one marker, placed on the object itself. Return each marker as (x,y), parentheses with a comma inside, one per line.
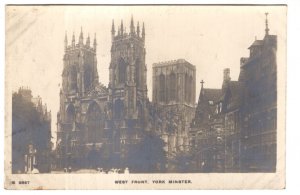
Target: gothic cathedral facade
(97,124)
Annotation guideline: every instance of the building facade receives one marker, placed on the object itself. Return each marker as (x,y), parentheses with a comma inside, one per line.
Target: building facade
(259,121)
(31,133)
(241,133)
(96,124)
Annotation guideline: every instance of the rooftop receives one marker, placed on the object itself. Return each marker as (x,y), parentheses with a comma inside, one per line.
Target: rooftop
(173,62)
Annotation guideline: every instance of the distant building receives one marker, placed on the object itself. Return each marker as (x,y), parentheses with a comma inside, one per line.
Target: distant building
(174,89)
(31,133)
(240,136)
(204,127)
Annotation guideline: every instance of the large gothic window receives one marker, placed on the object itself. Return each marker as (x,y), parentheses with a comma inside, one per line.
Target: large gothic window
(191,89)
(138,73)
(118,109)
(88,77)
(172,86)
(117,141)
(140,109)
(186,87)
(162,85)
(93,123)
(72,78)
(70,114)
(121,71)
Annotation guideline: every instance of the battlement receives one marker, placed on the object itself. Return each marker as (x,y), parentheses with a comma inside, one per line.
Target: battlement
(174,62)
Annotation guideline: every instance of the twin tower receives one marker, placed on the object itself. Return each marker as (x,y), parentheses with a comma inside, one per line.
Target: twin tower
(92,114)
(127,69)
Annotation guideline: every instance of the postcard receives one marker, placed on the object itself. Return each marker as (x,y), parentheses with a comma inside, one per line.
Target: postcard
(145,96)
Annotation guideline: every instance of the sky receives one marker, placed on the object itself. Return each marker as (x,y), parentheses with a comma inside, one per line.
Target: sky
(210,37)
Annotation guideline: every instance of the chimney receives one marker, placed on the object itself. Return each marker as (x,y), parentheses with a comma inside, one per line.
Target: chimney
(226,75)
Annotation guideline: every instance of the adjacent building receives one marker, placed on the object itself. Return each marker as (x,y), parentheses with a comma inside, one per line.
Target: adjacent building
(240,135)
(31,133)
(259,119)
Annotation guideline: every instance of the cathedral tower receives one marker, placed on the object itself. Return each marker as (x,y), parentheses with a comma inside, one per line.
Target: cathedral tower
(80,66)
(127,72)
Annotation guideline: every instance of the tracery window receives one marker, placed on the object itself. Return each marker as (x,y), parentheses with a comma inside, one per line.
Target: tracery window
(162,85)
(93,123)
(172,87)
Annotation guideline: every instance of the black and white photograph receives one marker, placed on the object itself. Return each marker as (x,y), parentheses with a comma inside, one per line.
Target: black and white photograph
(145,96)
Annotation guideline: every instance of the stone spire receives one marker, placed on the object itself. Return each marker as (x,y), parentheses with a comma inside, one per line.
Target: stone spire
(267,27)
(88,41)
(122,28)
(73,40)
(138,29)
(81,37)
(143,31)
(113,31)
(66,41)
(95,43)
(132,30)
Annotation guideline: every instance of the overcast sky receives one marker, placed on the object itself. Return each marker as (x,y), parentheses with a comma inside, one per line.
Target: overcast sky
(210,37)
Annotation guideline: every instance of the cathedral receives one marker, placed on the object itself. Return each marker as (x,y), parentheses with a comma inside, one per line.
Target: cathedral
(96,123)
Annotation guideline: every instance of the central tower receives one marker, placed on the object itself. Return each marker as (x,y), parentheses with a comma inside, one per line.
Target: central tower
(127,72)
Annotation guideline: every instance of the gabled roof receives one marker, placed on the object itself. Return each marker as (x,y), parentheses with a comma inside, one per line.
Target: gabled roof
(257,43)
(211,94)
(235,90)
(98,90)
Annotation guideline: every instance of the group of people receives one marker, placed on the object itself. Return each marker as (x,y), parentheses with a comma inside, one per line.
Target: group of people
(102,171)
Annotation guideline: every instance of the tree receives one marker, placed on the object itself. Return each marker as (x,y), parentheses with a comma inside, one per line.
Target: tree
(148,156)
(183,161)
(29,127)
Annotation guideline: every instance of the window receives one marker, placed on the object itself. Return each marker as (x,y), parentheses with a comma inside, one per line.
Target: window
(88,78)
(162,85)
(186,87)
(70,114)
(72,81)
(93,122)
(191,89)
(211,102)
(172,87)
(122,71)
(118,109)
(138,73)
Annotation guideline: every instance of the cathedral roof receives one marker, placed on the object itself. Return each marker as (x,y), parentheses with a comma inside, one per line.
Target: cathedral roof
(211,94)
(174,62)
(234,94)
